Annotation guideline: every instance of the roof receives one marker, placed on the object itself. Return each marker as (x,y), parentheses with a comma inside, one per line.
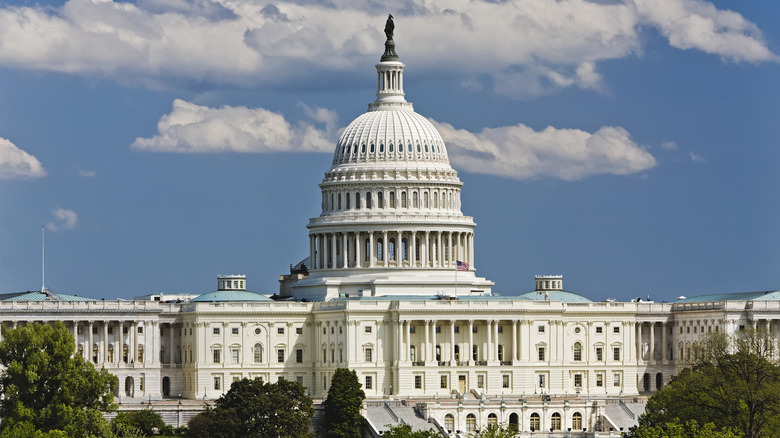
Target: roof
(554,295)
(772,295)
(39,296)
(231,295)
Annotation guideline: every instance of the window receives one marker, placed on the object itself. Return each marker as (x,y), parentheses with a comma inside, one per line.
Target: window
(280,331)
(501,329)
(392,199)
(555,421)
(368,329)
(234,355)
(280,355)
(411,353)
(216,355)
(616,379)
(457,353)
(505,380)
(578,380)
(535,422)
(576,421)
(438,353)
(411,329)
(577,351)
(616,353)
(110,330)
(474,353)
(599,329)
(380,202)
(217,382)
(299,355)
(541,380)
(438,329)
(234,330)
(500,352)
(94,330)
(299,379)
(369,354)
(471,423)
(599,354)
(299,330)
(140,329)
(215,330)
(541,353)
(599,380)
(369,382)
(474,329)
(540,329)
(418,382)
(481,381)
(616,329)
(443,382)
(492,421)
(258,352)
(449,423)
(257,331)
(457,329)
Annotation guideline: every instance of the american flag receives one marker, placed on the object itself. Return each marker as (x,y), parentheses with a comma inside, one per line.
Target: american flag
(462,266)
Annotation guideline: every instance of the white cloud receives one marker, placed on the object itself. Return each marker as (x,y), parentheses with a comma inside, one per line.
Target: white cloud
(669,145)
(64,219)
(18,164)
(519,152)
(696,158)
(546,45)
(87,173)
(192,128)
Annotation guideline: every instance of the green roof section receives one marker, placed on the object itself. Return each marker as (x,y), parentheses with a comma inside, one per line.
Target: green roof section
(230,295)
(771,295)
(554,295)
(41,296)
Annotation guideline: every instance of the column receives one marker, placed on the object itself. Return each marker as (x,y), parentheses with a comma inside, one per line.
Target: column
(371,249)
(452,343)
(471,340)
(652,342)
(398,253)
(426,255)
(344,252)
(88,352)
(358,244)
(450,252)
(514,340)
(105,341)
(439,256)
(408,339)
(312,258)
(433,341)
(413,252)
(495,341)
(120,350)
(333,256)
(426,354)
(489,355)
(638,340)
(471,250)
(384,249)
(663,342)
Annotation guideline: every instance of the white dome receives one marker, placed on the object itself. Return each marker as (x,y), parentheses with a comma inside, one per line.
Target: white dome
(390,135)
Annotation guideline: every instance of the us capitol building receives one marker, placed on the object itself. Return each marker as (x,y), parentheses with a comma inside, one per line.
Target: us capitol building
(390,290)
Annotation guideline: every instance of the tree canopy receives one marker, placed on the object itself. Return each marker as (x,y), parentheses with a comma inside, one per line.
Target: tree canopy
(343,404)
(675,429)
(254,409)
(733,383)
(46,388)
(405,431)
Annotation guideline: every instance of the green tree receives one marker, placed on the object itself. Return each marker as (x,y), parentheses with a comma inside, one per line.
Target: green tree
(732,383)
(405,431)
(343,404)
(252,408)
(46,386)
(501,431)
(674,429)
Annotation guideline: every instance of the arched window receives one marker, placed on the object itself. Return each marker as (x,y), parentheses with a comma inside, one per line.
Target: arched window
(659,380)
(646,382)
(576,421)
(379,253)
(417,252)
(403,199)
(368,200)
(415,200)
(367,250)
(492,421)
(449,423)
(471,421)
(514,421)
(412,356)
(404,249)
(555,421)
(577,351)
(363,148)
(339,200)
(391,147)
(332,203)
(535,423)
(372,148)
(418,148)
(348,196)
(258,352)
(435,200)
(392,199)
(409,148)
(425,200)
(391,249)
(380,202)
(357,201)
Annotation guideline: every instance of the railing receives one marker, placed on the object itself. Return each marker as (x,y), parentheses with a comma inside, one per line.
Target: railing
(444,363)
(392,414)
(463,363)
(506,362)
(626,410)
(480,363)
(419,363)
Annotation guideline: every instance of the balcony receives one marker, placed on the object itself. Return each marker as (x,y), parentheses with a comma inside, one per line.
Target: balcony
(480,363)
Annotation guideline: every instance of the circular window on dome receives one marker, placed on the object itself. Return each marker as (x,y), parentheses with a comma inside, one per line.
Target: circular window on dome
(381,148)
(391,147)
(418,148)
(363,148)
(372,148)
(426,148)
(576,330)
(257,331)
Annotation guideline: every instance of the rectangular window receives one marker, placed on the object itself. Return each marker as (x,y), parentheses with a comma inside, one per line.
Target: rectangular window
(280,331)
(501,329)
(94,330)
(616,353)
(599,329)
(474,329)
(443,383)
(140,329)
(578,380)
(124,330)
(540,329)
(369,382)
(616,377)
(217,382)
(599,354)
(215,330)
(368,329)
(411,329)
(234,330)
(541,353)
(438,329)
(480,380)
(216,355)
(541,380)
(299,355)
(79,330)
(369,354)
(340,331)
(234,353)
(280,355)
(110,330)
(457,329)
(417,382)
(599,380)
(616,329)
(505,381)
(299,379)
(299,330)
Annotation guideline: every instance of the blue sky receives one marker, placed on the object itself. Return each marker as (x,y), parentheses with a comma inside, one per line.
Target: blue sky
(628,145)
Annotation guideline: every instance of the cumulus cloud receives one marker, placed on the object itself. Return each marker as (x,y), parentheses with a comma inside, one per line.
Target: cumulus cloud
(192,128)
(64,219)
(696,158)
(18,164)
(519,152)
(546,45)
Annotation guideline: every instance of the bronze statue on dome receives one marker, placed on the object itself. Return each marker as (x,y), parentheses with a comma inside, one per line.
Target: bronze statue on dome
(389,27)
